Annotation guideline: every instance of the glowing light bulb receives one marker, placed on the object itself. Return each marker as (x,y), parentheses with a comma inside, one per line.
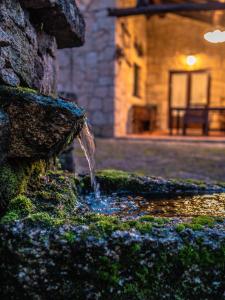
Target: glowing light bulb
(191,60)
(215,37)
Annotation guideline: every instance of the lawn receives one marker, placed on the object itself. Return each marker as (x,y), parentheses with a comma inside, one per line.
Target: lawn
(202,161)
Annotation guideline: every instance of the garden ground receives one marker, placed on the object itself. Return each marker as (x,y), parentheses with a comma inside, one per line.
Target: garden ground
(169,159)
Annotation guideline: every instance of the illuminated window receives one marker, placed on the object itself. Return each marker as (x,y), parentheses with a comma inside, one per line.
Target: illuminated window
(137,81)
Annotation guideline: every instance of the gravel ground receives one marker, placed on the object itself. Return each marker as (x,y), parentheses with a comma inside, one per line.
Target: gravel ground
(202,161)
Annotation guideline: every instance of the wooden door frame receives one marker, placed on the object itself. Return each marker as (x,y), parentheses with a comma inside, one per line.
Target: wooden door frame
(188,94)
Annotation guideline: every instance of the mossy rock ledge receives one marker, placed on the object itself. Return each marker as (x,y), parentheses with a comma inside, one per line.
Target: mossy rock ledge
(34,129)
(123,182)
(51,251)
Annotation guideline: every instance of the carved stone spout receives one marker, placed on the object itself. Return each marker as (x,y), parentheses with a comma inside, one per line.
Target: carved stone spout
(35,126)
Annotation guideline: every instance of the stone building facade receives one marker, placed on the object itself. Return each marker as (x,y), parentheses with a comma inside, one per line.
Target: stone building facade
(89,72)
(126,63)
(171,40)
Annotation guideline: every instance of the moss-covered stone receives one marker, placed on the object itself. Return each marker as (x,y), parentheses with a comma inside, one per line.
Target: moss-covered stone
(198,223)
(120,261)
(45,242)
(10,217)
(21,204)
(15,177)
(56,194)
(123,182)
(45,219)
(40,126)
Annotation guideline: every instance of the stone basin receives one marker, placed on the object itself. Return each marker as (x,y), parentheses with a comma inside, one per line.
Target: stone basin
(50,250)
(129,196)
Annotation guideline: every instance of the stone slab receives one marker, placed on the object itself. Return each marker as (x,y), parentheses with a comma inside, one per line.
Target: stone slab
(39,126)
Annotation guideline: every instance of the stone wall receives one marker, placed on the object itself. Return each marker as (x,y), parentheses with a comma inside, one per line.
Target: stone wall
(29,36)
(99,74)
(170,40)
(89,72)
(131,42)
(27,56)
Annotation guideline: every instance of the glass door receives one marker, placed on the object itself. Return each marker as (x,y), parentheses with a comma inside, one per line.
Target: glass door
(179,90)
(188,90)
(199,94)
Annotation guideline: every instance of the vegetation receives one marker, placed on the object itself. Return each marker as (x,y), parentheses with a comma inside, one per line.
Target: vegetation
(15,177)
(199,222)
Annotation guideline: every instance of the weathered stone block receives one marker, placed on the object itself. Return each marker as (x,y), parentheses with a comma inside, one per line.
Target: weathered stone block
(40,126)
(29,37)
(4,134)
(60,18)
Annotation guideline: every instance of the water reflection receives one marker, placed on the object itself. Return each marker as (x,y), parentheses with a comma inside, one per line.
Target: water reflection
(132,206)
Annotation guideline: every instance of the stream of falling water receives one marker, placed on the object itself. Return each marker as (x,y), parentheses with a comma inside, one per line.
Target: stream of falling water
(87,143)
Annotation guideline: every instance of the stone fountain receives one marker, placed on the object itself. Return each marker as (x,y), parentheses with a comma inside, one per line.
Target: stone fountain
(52,246)
(35,124)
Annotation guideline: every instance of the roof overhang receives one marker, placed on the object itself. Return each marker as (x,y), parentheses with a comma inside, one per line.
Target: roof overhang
(196,10)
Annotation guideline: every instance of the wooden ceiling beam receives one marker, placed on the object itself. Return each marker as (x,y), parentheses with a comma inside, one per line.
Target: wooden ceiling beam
(165,8)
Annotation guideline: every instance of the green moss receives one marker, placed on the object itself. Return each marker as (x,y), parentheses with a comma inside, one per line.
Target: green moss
(21,204)
(204,220)
(180,227)
(69,236)
(135,248)
(110,180)
(144,227)
(45,219)
(199,183)
(194,226)
(195,181)
(190,255)
(147,218)
(102,226)
(108,271)
(105,226)
(35,170)
(113,174)
(56,194)
(198,223)
(10,217)
(52,203)
(15,177)
(18,89)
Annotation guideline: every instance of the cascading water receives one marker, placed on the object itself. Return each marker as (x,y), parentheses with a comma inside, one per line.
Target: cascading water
(87,143)
(133,206)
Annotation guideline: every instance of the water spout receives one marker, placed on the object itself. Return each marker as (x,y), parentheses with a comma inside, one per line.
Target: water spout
(87,143)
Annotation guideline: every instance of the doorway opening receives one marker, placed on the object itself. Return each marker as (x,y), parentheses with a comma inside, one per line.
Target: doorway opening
(189,101)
